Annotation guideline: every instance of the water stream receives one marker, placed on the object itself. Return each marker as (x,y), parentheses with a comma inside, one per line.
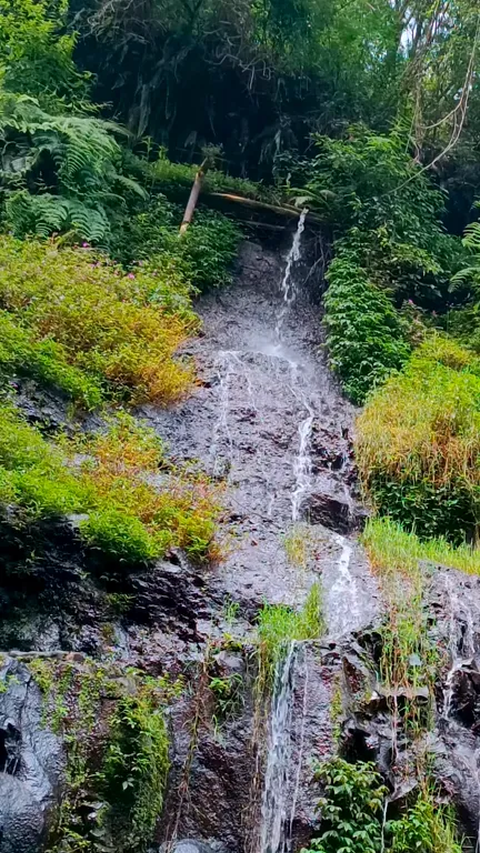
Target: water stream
(279,773)
(265,421)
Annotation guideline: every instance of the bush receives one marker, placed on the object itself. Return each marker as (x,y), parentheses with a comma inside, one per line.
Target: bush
(204,254)
(351,811)
(365,336)
(21,355)
(129,518)
(119,330)
(418,443)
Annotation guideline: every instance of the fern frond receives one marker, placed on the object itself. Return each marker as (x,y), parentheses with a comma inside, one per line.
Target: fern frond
(471,237)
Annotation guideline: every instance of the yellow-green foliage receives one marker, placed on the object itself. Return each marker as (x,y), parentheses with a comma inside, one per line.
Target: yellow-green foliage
(393,550)
(21,354)
(129,516)
(418,442)
(119,329)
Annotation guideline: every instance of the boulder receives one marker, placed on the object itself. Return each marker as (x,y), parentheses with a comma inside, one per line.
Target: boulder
(31,762)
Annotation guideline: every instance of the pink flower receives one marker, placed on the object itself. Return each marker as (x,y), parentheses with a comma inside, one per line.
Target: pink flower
(130,275)
(410,301)
(85,245)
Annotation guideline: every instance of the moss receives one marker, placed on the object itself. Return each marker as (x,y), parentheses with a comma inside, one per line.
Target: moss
(129,518)
(112,725)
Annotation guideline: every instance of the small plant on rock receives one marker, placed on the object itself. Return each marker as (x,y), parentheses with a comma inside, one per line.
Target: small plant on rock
(351,810)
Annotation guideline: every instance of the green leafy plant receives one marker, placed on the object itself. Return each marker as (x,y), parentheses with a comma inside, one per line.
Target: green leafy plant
(351,810)
(111,721)
(73,164)
(365,337)
(204,254)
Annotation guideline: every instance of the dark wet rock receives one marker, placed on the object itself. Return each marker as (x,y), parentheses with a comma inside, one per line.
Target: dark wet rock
(31,762)
(335,510)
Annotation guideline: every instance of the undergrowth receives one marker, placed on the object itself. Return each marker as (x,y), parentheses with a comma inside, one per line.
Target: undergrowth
(352,815)
(121,331)
(129,514)
(365,337)
(418,443)
(111,721)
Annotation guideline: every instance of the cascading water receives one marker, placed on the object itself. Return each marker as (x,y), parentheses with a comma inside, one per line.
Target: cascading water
(279,779)
(288,286)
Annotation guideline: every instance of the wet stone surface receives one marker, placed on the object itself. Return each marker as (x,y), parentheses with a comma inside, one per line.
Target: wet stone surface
(267,420)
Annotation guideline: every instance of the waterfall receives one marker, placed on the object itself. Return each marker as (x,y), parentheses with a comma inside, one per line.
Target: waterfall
(288,286)
(281,783)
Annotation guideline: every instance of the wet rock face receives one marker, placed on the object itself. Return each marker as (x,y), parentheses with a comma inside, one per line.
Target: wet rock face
(31,763)
(268,422)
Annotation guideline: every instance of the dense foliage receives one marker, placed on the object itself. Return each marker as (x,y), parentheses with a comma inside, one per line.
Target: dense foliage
(352,812)
(129,518)
(365,336)
(418,442)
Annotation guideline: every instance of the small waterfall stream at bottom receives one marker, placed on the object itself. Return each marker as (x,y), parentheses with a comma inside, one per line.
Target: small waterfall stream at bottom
(281,779)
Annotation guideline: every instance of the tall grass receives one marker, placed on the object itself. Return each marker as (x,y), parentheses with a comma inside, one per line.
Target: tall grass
(418,443)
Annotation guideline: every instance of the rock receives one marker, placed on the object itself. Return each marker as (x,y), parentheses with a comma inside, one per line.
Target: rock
(334,510)
(190,845)
(31,762)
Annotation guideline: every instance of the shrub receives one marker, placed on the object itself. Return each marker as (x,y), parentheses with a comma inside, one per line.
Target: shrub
(365,337)
(129,518)
(120,330)
(21,355)
(418,443)
(351,811)
(204,254)
(352,815)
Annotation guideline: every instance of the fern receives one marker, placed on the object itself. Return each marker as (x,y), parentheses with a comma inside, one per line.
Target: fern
(86,158)
(471,241)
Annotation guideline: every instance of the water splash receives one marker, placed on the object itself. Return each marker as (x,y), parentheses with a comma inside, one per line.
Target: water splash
(289,286)
(276,814)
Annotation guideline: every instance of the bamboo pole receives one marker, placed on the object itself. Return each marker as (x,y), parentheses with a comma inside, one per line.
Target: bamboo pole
(283,210)
(193,197)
